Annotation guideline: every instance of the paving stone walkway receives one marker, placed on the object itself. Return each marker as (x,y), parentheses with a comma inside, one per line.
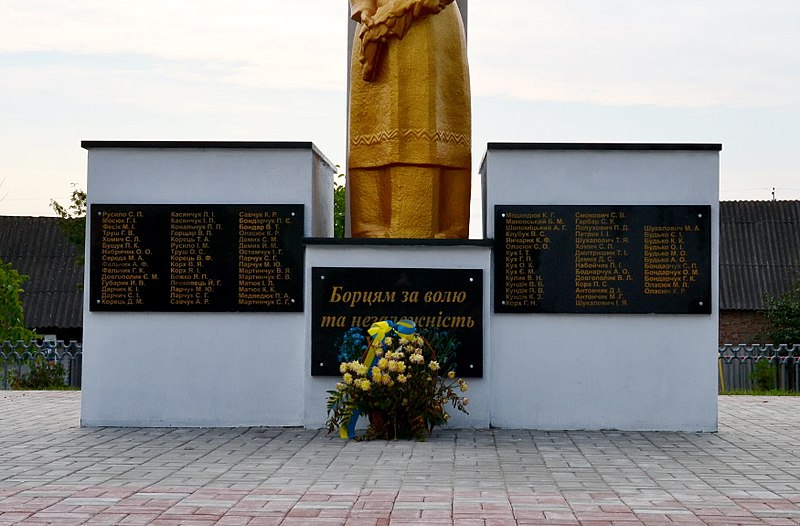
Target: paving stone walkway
(54,472)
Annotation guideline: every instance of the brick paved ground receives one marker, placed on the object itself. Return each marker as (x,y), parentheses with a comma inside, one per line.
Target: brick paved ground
(54,472)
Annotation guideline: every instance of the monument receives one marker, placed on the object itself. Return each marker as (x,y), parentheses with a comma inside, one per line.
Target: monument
(216,294)
(409,165)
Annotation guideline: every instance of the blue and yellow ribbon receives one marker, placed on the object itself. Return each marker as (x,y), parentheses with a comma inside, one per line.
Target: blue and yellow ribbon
(405,329)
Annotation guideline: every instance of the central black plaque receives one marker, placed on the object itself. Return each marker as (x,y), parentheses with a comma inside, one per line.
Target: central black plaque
(447,299)
(603,259)
(211,258)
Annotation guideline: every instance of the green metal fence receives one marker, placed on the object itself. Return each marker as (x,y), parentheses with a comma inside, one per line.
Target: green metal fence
(49,362)
(780,369)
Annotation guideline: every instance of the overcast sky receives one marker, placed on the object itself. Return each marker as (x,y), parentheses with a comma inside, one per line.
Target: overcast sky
(710,71)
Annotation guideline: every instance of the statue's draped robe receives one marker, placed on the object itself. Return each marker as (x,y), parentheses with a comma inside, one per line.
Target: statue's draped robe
(417,109)
(410,130)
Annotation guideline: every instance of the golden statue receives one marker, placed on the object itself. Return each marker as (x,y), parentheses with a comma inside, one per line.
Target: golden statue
(409,166)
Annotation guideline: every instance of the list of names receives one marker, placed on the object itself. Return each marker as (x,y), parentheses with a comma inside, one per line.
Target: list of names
(602,259)
(191,235)
(261,270)
(602,270)
(527,235)
(126,262)
(196,257)
(669,267)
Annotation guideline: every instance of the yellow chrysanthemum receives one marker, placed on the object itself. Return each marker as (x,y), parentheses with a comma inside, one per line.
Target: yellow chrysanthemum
(401,367)
(383,363)
(376,375)
(463,386)
(364,385)
(451,374)
(402,378)
(340,386)
(434,365)
(348,378)
(343,367)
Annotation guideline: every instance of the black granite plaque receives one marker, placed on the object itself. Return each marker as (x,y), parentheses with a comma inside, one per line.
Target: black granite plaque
(446,299)
(209,258)
(603,259)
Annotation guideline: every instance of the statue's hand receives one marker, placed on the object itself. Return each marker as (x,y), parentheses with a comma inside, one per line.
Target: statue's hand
(366,17)
(359,9)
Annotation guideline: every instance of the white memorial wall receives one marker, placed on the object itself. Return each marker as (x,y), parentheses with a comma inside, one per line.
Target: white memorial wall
(605,371)
(539,370)
(200,368)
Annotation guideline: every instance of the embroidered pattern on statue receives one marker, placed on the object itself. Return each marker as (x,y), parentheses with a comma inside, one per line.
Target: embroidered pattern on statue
(414,135)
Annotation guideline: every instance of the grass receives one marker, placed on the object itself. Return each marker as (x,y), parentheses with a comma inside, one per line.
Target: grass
(768,392)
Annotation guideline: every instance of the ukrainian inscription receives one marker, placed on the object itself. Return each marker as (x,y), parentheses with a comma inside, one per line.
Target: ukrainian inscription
(196,258)
(443,299)
(603,259)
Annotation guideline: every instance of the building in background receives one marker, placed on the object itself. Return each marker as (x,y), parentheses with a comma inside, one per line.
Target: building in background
(759,254)
(53,297)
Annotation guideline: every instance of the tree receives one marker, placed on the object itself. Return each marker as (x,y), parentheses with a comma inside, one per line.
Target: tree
(72,221)
(12,317)
(339,193)
(782,314)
